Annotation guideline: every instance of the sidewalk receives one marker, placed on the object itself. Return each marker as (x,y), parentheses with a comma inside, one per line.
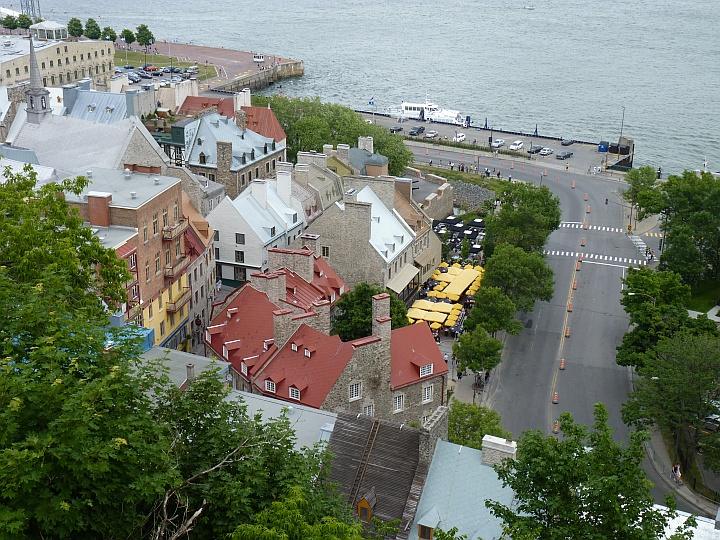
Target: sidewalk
(660,460)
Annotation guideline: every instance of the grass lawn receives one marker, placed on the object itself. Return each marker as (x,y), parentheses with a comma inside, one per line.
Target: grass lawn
(705,295)
(137,59)
(491,183)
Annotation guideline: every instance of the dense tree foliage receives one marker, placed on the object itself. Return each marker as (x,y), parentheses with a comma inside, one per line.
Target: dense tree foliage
(522,276)
(10,22)
(92,29)
(494,311)
(678,389)
(24,21)
(353,316)
(75,27)
(144,36)
(309,123)
(128,36)
(527,216)
(642,192)
(108,34)
(477,351)
(582,485)
(469,423)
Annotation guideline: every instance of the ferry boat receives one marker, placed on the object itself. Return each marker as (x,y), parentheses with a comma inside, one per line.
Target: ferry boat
(431,112)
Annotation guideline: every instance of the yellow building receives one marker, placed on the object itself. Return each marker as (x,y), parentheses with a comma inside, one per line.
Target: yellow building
(167,314)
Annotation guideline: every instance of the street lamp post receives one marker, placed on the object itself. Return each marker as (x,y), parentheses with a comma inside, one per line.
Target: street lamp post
(622,125)
(651,297)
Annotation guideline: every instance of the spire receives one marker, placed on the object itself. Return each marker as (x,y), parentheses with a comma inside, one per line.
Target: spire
(35,76)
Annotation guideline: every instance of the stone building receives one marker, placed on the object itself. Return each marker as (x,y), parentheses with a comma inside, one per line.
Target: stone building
(397,375)
(61,60)
(361,160)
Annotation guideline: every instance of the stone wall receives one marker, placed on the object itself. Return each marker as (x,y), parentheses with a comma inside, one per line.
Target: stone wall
(301,262)
(439,205)
(223,174)
(435,428)
(382,186)
(140,151)
(496,449)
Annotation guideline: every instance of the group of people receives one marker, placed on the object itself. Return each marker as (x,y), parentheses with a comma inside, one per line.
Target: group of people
(649,254)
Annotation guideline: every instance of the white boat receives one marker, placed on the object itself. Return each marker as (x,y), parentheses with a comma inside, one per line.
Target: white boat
(428,111)
(258,58)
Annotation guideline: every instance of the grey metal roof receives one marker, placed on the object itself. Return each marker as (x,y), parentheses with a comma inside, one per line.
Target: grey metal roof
(456,488)
(176,362)
(310,425)
(360,158)
(202,135)
(114,236)
(45,175)
(14,47)
(122,187)
(100,107)
(19,154)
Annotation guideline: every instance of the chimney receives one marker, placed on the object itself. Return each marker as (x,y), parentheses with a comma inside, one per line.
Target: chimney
(327,149)
(245,97)
(70,93)
(381,321)
(241,119)
(84,84)
(310,241)
(189,372)
(273,284)
(322,321)
(259,192)
(302,173)
(283,326)
(366,143)
(284,186)
(131,98)
(99,208)
(495,450)
(434,428)
(343,153)
(284,166)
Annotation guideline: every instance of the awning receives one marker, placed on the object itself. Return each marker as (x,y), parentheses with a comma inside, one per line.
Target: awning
(424,257)
(402,278)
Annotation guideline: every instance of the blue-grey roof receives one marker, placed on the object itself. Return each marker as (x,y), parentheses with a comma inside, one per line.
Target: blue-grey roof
(202,135)
(19,154)
(360,157)
(456,488)
(100,107)
(177,361)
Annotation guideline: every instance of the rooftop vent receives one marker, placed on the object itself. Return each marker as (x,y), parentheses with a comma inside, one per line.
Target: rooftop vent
(91,107)
(7,43)
(127,174)
(350,191)
(199,141)
(88,173)
(109,109)
(133,194)
(157,181)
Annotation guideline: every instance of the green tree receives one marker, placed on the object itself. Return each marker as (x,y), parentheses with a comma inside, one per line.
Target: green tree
(494,311)
(24,21)
(465,249)
(683,255)
(128,36)
(570,487)
(292,518)
(642,192)
(451,534)
(10,23)
(309,123)
(477,351)
(527,216)
(75,27)
(108,34)
(353,317)
(92,29)
(144,36)
(469,423)
(677,390)
(522,276)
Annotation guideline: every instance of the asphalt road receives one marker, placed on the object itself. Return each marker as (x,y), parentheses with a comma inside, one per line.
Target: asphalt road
(522,386)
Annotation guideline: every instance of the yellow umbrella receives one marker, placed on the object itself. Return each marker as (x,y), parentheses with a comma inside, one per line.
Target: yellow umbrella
(431,294)
(410,320)
(468,267)
(457,307)
(453,297)
(443,264)
(456,265)
(440,295)
(419,322)
(478,268)
(436,326)
(449,323)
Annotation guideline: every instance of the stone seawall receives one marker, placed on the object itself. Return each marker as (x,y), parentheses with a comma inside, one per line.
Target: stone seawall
(258,80)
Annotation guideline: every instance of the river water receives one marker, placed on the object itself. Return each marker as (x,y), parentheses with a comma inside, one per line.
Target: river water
(569,66)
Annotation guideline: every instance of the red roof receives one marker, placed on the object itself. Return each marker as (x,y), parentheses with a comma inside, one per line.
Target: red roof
(300,293)
(411,347)
(263,121)
(245,323)
(195,104)
(193,243)
(325,278)
(314,376)
(126,249)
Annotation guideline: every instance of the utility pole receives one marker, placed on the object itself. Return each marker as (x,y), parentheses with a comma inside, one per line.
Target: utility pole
(622,125)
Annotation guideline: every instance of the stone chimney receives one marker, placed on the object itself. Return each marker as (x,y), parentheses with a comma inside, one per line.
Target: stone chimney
(327,149)
(284,186)
(259,192)
(436,427)
(381,322)
(495,450)
(273,284)
(343,153)
(310,241)
(99,208)
(284,166)
(241,119)
(366,143)
(224,163)
(322,321)
(300,261)
(189,372)
(70,93)
(302,173)
(283,326)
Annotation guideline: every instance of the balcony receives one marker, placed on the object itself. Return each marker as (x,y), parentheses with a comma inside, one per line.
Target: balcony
(171,232)
(175,270)
(133,310)
(176,304)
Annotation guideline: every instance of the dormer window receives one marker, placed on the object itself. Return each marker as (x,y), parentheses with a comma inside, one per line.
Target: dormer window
(294,393)
(293,346)
(203,158)
(243,368)
(307,353)
(272,231)
(426,370)
(269,386)
(425,533)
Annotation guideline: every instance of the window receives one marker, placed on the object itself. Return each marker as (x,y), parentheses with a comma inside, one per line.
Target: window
(294,393)
(239,238)
(217,236)
(202,291)
(240,256)
(217,253)
(147,270)
(135,291)
(427,393)
(157,262)
(355,391)
(178,253)
(155,223)
(133,261)
(51,63)
(399,403)
(243,368)
(272,232)
(160,301)
(369,410)
(150,311)
(26,69)
(269,386)
(257,172)
(295,217)
(165,217)
(74,58)
(195,274)
(364,514)
(196,297)
(325,251)
(176,214)
(267,167)
(424,533)
(167,257)
(202,158)
(52,78)
(426,370)
(43,65)
(307,353)
(293,346)
(145,237)
(162,328)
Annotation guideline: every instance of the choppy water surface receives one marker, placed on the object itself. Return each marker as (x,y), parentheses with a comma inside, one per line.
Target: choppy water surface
(568,66)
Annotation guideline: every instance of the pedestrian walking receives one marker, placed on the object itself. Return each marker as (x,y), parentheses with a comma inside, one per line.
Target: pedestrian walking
(498,175)
(509,177)
(431,162)
(567,166)
(676,475)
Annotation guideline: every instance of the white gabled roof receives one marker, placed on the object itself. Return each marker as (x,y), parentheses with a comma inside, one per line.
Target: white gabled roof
(389,234)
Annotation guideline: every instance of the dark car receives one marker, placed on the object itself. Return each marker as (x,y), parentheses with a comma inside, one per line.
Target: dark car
(134,77)
(129,67)
(417,130)
(563,155)
(144,74)
(567,142)
(175,70)
(534,149)
(157,73)
(396,129)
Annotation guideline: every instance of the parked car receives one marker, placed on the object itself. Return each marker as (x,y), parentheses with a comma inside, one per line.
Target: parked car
(431,134)
(134,77)
(516,145)
(497,143)
(459,137)
(144,74)
(534,149)
(567,142)
(150,68)
(175,69)
(119,70)
(192,69)
(416,131)
(175,79)
(396,129)
(129,67)
(157,73)
(546,151)
(166,69)
(564,155)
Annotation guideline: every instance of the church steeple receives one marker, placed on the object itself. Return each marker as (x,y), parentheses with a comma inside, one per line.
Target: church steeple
(38,104)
